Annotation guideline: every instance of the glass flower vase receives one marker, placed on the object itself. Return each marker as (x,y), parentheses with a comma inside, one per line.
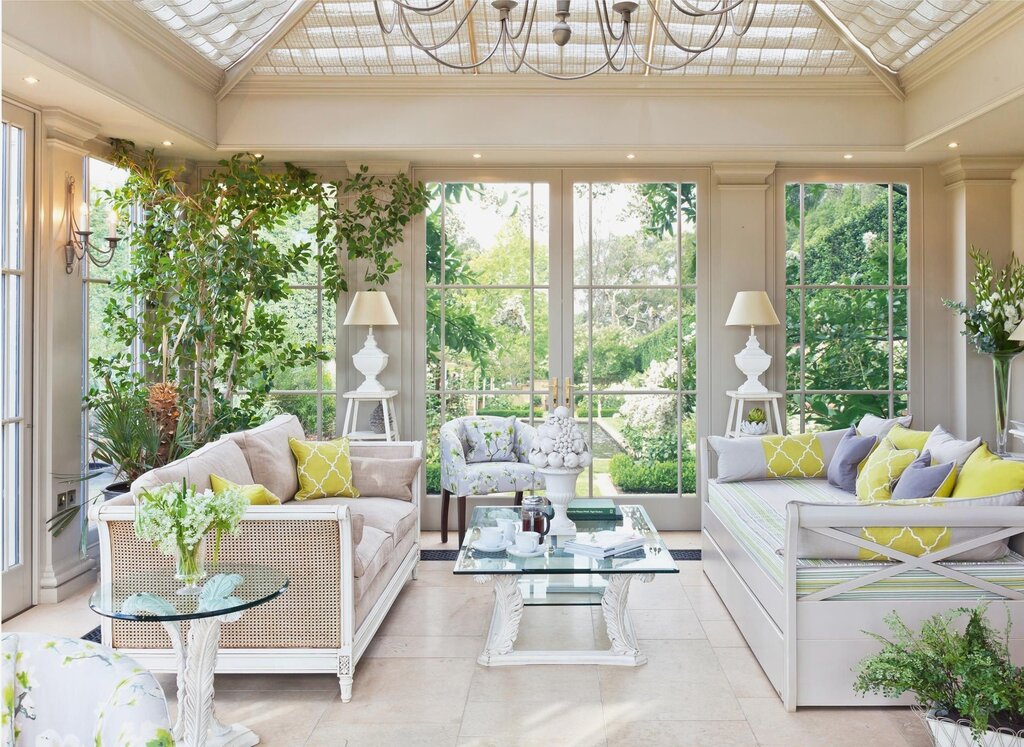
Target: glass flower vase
(189,567)
(1002,367)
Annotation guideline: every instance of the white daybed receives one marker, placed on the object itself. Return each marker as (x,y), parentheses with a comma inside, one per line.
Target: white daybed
(804,618)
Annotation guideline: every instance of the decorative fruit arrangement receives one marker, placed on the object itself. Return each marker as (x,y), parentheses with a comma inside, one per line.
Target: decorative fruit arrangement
(559,443)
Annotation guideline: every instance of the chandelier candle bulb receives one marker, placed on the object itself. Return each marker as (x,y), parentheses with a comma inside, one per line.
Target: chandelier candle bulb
(83,218)
(112,224)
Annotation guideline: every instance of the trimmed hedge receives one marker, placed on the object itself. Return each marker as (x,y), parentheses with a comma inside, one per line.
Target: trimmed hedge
(631,476)
(504,412)
(433,479)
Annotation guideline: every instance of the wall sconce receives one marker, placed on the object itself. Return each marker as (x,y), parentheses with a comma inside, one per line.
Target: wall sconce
(78,246)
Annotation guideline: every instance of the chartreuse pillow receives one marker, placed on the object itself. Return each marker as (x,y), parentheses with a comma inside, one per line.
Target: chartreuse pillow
(767,457)
(986,474)
(798,455)
(881,470)
(257,494)
(324,469)
(904,438)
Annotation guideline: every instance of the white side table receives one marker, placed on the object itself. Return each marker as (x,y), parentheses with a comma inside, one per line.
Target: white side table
(738,400)
(387,403)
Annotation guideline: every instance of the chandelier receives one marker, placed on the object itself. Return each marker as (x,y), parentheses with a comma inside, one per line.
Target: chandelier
(617,35)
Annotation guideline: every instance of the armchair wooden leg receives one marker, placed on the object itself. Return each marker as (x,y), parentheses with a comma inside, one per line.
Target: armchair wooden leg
(519,498)
(462,518)
(445,500)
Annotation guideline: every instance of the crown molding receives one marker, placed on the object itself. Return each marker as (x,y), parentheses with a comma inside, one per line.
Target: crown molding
(504,85)
(743,173)
(989,170)
(67,128)
(141,26)
(953,48)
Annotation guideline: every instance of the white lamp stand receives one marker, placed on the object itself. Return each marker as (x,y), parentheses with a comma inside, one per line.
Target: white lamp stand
(752,308)
(371,308)
(753,362)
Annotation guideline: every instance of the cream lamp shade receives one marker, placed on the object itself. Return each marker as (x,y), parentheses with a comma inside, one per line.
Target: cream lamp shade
(752,309)
(370,308)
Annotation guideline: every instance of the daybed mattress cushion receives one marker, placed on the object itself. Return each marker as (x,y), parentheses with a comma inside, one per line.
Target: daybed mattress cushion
(754,512)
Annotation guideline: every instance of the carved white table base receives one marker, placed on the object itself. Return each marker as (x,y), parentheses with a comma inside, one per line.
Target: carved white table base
(499,649)
(196,725)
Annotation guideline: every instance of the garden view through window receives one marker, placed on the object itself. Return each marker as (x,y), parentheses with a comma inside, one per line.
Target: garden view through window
(846,303)
(608,322)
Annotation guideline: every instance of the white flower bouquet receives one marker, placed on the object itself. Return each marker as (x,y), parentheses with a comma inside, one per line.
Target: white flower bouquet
(176,518)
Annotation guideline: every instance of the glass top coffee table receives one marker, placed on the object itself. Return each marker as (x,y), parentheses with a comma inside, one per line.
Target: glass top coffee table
(559,578)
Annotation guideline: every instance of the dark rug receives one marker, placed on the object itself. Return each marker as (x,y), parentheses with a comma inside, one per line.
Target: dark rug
(93,635)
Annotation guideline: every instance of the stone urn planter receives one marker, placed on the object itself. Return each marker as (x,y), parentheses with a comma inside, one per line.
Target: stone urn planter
(560,453)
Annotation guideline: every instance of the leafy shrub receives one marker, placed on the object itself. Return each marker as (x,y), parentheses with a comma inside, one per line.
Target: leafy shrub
(633,476)
(518,411)
(433,479)
(967,675)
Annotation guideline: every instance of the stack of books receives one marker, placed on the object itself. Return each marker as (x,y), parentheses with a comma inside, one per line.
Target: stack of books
(604,544)
(593,509)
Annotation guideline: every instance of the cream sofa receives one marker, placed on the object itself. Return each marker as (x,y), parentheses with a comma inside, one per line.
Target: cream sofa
(804,618)
(347,558)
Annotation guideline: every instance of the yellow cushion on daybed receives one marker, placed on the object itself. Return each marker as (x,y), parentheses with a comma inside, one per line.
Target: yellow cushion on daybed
(986,474)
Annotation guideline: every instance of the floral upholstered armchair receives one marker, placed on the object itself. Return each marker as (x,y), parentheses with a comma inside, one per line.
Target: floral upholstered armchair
(481,455)
(66,691)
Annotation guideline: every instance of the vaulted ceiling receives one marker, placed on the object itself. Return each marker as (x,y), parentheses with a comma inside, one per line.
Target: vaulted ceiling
(342,37)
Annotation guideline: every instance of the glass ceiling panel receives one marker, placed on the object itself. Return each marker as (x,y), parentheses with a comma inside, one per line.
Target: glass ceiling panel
(221,30)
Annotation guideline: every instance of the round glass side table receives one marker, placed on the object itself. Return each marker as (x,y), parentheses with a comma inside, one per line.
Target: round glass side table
(148,595)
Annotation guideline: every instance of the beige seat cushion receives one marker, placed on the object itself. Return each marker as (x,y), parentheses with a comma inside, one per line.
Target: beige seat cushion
(221,457)
(372,554)
(397,518)
(371,450)
(269,456)
(369,588)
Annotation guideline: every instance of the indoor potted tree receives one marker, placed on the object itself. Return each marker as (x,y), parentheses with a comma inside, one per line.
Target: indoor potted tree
(971,691)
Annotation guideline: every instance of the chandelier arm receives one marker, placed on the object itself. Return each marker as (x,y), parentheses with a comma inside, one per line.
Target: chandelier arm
(696,12)
(389,26)
(690,57)
(716,33)
(744,27)
(605,18)
(456,66)
(611,55)
(522,22)
(427,10)
(410,35)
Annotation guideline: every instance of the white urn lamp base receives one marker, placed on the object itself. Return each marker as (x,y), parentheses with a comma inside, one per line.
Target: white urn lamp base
(370,361)
(560,487)
(753,362)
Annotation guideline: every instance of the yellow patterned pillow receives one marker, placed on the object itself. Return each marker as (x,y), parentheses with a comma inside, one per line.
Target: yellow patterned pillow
(799,455)
(257,495)
(881,470)
(324,469)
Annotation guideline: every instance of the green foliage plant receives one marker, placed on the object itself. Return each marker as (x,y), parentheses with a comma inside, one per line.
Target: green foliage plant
(208,276)
(756,415)
(998,307)
(963,675)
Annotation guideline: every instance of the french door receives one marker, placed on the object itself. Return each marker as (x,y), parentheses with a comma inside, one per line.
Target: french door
(575,288)
(16,212)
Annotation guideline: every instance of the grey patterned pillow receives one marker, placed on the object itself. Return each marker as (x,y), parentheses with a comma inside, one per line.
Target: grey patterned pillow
(490,439)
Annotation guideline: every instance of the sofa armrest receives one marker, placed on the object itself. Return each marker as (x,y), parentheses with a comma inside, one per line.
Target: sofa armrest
(313,546)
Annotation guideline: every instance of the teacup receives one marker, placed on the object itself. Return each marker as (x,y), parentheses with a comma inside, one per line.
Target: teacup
(508,528)
(527,541)
(491,537)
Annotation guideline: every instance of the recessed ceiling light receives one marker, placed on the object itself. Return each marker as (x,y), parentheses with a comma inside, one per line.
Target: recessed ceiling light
(631,156)
(954,144)
(31,79)
(167,143)
(847,156)
(478,155)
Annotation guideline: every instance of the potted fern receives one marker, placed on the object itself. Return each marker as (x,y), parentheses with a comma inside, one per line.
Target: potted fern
(971,692)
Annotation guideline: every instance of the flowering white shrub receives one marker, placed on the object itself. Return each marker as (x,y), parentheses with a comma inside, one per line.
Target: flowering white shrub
(175,515)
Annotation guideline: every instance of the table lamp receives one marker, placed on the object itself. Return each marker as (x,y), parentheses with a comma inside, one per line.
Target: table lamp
(371,308)
(752,309)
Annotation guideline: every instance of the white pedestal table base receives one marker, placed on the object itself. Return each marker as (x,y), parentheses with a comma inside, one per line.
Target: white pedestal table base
(499,649)
(196,724)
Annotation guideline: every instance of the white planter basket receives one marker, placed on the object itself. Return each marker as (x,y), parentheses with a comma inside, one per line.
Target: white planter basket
(948,733)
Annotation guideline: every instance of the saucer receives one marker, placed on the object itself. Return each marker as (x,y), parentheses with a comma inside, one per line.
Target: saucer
(516,552)
(476,545)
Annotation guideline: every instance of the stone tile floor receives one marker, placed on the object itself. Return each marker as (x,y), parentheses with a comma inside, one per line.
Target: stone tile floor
(419,683)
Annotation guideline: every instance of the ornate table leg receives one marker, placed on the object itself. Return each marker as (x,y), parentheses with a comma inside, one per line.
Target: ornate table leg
(196,725)
(616,616)
(508,611)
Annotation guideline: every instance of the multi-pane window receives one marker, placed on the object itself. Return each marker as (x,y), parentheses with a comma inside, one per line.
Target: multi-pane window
(307,391)
(846,303)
